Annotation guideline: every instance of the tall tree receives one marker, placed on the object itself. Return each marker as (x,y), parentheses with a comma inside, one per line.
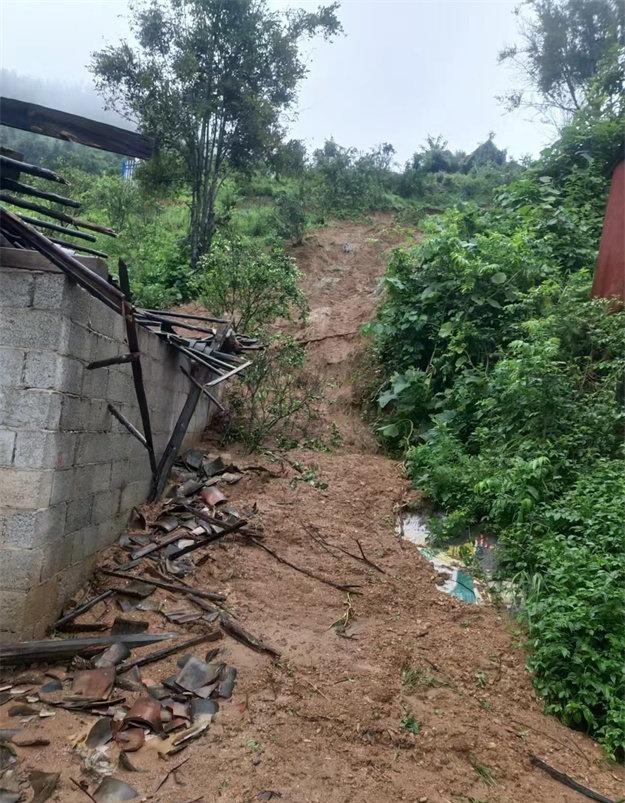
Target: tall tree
(209,79)
(564,45)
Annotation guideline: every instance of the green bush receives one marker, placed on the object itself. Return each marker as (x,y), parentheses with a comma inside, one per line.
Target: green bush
(275,397)
(505,386)
(251,286)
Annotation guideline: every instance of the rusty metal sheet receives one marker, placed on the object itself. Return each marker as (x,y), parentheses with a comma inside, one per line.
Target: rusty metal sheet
(609,281)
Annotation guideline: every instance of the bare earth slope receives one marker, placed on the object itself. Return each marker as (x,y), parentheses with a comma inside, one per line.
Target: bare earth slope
(324,723)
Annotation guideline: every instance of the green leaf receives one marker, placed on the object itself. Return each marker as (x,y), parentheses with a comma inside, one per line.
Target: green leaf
(499,277)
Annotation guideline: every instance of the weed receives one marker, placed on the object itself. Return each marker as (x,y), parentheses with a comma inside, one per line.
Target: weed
(341,625)
(253,745)
(411,676)
(336,441)
(410,724)
(484,772)
(481,679)
(310,477)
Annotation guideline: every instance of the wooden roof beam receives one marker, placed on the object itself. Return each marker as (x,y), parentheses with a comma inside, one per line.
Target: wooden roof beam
(72,128)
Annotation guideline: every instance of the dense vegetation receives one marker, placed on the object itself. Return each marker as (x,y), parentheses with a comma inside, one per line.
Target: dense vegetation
(506,390)
(266,208)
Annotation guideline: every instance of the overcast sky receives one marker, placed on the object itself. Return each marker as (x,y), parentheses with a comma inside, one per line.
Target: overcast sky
(402,71)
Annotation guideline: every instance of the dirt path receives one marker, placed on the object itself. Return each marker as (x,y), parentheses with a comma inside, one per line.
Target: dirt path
(395,692)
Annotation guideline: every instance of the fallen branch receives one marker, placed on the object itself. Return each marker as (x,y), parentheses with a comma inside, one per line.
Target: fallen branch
(282,459)
(238,633)
(568,781)
(339,586)
(151,657)
(312,686)
(325,544)
(366,559)
(83,790)
(566,745)
(169,772)
(306,341)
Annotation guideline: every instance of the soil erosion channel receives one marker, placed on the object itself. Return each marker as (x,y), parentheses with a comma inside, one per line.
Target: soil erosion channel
(395,693)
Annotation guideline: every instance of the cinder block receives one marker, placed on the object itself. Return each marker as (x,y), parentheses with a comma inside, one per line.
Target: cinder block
(50,290)
(42,369)
(11,614)
(75,414)
(105,506)
(133,494)
(91,479)
(78,304)
(120,386)
(19,568)
(30,409)
(100,418)
(46,369)
(96,447)
(35,529)
(7,446)
(94,383)
(77,540)
(41,608)
(104,321)
(11,367)
(80,414)
(71,375)
(78,513)
(34,329)
(25,490)
(44,449)
(88,541)
(95,539)
(80,342)
(103,348)
(62,486)
(16,288)
(123,472)
(57,559)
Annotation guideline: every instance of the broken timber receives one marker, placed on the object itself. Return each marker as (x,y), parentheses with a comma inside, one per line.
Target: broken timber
(72,128)
(28,652)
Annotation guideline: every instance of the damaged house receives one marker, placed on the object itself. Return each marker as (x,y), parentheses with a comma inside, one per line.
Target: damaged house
(97,396)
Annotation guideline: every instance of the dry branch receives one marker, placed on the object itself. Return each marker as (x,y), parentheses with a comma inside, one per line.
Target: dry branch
(339,586)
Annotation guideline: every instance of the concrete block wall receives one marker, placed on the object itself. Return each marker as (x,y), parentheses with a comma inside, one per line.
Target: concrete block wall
(70,473)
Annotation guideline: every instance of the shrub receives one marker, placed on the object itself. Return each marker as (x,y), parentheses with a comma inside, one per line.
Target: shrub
(505,385)
(253,287)
(274,397)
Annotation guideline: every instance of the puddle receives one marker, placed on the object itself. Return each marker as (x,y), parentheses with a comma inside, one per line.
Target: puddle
(451,561)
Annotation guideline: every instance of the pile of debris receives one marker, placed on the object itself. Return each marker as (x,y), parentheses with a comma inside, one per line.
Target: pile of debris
(100,675)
